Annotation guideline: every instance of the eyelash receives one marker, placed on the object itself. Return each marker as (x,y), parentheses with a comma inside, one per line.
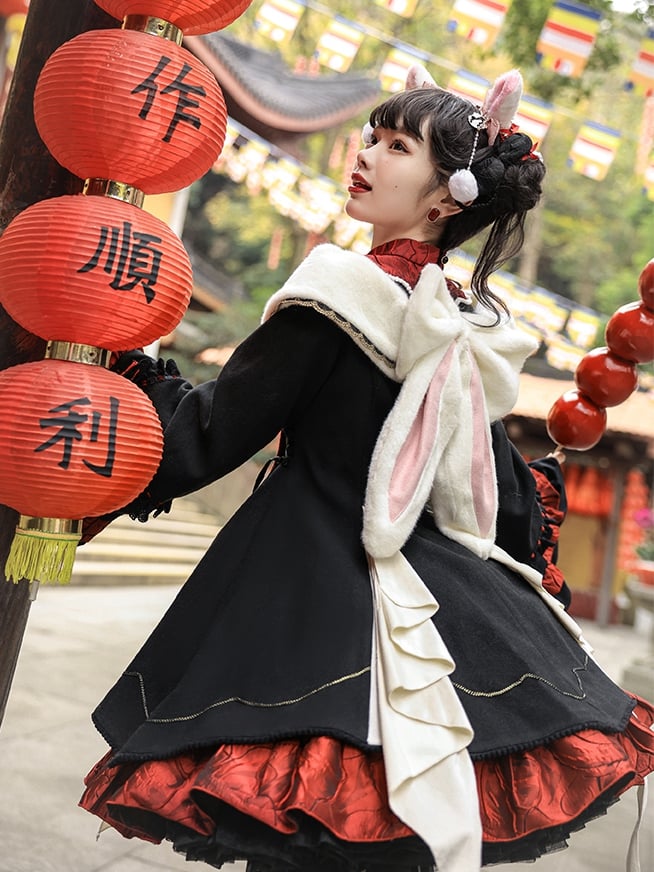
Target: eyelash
(373,141)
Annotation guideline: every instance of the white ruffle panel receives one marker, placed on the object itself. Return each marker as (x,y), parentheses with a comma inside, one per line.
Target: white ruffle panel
(419,720)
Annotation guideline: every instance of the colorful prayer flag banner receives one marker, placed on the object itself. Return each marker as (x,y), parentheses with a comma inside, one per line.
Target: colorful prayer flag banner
(561,354)
(405,8)
(508,288)
(567,38)
(593,150)
(277,19)
(641,80)
(646,138)
(469,86)
(459,267)
(280,175)
(231,135)
(534,117)
(338,45)
(582,327)
(543,310)
(321,202)
(396,66)
(245,164)
(478,20)
(352,234)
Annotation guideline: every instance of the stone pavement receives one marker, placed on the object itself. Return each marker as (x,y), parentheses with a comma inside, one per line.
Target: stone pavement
(77,642)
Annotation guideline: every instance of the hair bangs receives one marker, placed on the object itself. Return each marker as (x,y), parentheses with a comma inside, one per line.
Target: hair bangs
(406,111)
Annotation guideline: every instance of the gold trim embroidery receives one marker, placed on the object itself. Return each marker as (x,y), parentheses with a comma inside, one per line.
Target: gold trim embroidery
(360,338)
(522,679)
(238,699)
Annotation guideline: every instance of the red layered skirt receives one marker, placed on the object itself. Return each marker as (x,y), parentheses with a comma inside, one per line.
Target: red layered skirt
(207,801)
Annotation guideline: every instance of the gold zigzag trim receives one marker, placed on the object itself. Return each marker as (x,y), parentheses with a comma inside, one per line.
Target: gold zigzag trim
(239,699)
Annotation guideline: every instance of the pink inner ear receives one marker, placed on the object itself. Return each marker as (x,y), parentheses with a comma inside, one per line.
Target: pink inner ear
(502,99)
(415,451)
(483,463)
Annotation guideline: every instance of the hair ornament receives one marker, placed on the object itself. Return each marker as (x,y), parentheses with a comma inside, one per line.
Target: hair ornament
(495,117)
(501,103)
(367,133)
(533,153)
(462,184)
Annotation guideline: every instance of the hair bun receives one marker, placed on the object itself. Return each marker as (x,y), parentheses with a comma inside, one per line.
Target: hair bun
(514,148)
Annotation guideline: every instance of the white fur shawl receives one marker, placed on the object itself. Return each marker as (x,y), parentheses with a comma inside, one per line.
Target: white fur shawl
(457,373)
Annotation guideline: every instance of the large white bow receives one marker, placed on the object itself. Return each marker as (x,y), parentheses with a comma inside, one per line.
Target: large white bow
(458,373)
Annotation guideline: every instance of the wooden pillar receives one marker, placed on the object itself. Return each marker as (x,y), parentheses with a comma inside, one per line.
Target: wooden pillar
(28,173)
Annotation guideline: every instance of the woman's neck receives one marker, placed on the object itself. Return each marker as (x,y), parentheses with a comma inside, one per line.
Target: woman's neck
(380,238)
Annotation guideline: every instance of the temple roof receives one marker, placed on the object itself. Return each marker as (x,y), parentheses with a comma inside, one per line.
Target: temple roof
(262,94)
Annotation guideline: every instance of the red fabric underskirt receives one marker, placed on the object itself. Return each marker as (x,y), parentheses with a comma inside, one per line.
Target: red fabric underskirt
(345,789)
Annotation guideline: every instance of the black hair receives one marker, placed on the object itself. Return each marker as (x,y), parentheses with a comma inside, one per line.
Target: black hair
(509,183)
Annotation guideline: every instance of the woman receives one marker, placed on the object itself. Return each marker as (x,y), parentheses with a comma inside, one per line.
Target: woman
(372,667)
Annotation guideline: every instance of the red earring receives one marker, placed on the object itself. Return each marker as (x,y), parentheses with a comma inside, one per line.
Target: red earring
(433,215)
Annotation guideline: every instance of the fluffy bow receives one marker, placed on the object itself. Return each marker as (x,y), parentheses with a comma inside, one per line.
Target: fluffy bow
(456,377)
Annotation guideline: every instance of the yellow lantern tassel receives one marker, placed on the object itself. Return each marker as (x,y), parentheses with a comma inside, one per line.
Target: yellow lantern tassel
(43,549)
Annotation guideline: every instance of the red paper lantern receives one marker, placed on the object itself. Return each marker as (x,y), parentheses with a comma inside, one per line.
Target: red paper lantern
(191,16)
(594,496)
(75,440)
(125,105)
(93,270)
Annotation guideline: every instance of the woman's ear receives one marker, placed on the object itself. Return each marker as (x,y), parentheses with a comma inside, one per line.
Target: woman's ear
(448,206)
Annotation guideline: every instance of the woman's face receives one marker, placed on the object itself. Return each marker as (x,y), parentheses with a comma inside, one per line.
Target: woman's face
(389,187)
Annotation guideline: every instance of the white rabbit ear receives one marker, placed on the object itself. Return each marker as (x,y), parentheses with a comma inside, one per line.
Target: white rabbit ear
(418,77)
(503,98)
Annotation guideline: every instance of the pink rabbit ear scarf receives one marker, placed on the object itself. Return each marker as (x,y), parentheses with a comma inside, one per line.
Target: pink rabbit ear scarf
(458,372)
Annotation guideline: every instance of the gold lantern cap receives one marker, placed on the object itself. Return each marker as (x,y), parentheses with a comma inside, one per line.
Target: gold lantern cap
(76,352)
(155,26)
(114,189)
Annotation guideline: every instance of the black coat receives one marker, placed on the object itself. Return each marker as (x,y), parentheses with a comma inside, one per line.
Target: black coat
(271,635)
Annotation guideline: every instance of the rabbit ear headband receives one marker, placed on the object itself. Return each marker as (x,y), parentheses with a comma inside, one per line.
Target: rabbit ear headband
(495,116)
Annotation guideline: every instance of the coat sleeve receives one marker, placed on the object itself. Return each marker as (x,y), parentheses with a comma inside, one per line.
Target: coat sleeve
(531,510)
(214,427)
(550,493)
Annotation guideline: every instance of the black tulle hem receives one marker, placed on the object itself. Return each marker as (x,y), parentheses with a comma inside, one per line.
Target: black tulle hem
(313,848)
